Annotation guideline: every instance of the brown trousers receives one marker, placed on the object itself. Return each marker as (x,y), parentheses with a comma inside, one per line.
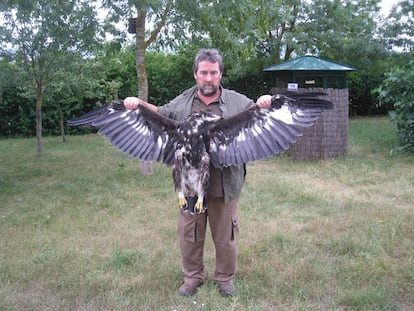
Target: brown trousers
(223,221)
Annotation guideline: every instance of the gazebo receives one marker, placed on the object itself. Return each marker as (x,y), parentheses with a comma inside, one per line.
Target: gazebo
(328,138)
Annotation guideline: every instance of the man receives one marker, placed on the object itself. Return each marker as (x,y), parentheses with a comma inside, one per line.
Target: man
(225,185)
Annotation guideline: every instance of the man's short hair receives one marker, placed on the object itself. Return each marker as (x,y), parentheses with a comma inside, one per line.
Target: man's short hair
(211,55)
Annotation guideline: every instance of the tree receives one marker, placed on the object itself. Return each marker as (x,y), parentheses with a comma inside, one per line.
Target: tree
(82,87)
(160,13)
(250,30)
(42,35)
(398,29)
(398,90)
(256,33)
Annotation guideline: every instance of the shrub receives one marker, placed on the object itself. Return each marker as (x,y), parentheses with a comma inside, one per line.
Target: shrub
(398,90)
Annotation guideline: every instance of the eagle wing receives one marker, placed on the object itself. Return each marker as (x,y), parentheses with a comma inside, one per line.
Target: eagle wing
(258,133)
(141,133)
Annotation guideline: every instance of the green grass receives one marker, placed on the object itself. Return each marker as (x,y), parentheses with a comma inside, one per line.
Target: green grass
(81,229)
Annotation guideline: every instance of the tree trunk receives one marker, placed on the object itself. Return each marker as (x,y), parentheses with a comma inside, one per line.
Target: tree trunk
(39,138)
(142,80)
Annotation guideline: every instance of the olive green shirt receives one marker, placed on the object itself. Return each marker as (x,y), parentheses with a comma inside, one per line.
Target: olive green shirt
(230,103)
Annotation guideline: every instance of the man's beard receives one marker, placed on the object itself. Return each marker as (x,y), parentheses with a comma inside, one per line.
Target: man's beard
(208,90)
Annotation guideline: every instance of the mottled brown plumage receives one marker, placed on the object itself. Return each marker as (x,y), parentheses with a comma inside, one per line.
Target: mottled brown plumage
(191,144)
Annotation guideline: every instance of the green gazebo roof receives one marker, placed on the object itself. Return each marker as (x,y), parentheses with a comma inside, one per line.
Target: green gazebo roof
(309,63)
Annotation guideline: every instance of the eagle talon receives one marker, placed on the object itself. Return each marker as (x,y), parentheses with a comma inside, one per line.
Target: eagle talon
(182,202)
(198,207)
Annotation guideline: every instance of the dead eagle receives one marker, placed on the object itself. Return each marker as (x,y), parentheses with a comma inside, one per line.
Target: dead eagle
(191,144)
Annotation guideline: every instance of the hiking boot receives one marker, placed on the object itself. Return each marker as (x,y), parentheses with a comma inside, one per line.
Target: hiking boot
(189,289)
(226,288)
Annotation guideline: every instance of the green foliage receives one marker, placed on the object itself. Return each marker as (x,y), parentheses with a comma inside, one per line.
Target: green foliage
(17,115)
(398,90)
(81,88)
(42,36)
(168,75)
(344,31)
(118,68)
(398,31)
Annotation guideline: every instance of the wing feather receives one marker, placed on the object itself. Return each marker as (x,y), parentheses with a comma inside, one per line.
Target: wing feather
(140,133)
(135,141)
(169,152)
(123,141)
(258,133)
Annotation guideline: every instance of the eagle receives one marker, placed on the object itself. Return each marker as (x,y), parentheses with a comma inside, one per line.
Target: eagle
(201,139)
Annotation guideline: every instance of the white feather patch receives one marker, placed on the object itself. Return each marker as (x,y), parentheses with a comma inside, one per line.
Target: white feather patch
(283,114)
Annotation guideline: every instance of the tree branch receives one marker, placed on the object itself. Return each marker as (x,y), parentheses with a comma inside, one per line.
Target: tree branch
(159,25)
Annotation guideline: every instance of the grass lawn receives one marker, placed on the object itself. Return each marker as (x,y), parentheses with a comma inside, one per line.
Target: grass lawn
(81,229)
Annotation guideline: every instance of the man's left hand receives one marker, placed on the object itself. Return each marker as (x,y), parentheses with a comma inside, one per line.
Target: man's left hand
(264,101)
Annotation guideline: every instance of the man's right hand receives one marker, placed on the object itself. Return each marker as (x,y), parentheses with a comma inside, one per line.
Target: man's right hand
(132,102)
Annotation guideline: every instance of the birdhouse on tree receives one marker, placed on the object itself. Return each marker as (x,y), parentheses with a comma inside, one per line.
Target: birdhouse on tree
(328,138)
(132,25)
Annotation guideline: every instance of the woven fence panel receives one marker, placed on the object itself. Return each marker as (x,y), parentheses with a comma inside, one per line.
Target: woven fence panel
(328,138)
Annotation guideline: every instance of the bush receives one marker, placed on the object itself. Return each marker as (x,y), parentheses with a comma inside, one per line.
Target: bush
(398,90)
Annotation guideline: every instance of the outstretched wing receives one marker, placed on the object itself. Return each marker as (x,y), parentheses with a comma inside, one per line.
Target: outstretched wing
(258,133)
(141,133)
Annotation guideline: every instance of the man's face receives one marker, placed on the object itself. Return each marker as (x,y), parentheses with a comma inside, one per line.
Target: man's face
(208,77)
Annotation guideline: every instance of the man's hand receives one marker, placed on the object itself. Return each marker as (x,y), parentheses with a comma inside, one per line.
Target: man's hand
(264,101)
(132,102)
